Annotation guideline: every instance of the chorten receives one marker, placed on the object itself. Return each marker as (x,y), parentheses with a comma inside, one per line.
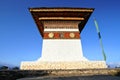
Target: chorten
(60,29)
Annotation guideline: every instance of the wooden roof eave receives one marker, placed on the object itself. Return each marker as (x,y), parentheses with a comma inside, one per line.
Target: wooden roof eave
(76,12)
(83,23)
(38,23)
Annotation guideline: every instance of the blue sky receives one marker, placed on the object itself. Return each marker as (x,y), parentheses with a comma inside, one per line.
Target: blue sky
(20,39)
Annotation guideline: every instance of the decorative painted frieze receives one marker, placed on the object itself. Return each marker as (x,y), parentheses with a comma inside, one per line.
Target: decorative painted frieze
(61,35)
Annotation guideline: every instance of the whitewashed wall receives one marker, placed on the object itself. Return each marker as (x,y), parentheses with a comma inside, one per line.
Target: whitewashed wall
(62,50)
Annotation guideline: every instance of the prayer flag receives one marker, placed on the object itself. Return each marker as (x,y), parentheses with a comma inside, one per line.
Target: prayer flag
(100,39)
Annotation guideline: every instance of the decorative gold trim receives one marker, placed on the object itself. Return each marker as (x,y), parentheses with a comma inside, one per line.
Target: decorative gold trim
(72,35)
(60,18)
(51,35)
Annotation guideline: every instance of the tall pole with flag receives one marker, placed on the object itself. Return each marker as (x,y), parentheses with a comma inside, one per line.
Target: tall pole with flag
(100,39)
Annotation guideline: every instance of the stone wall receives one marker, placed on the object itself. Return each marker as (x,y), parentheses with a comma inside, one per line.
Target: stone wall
(62,65)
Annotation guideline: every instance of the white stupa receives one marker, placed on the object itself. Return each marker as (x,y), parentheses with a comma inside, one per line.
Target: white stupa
(60,29)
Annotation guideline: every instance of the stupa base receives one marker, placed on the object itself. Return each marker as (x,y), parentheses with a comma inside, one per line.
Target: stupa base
(38,65)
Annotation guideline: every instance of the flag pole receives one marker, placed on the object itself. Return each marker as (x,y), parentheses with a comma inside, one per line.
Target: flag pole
(100,39)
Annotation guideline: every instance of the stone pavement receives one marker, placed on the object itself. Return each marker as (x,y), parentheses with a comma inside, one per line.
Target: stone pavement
(94,77)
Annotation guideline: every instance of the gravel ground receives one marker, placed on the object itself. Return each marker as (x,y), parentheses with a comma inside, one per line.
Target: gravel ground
(96,77)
